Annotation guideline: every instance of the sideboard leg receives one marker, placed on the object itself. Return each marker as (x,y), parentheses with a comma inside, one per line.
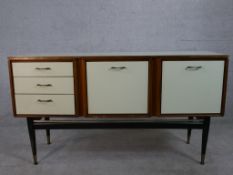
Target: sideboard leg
(32,136)
(205,133)
(189,132)
(48,133)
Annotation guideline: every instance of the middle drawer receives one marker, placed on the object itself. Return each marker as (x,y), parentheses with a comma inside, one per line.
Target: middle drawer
(38,85)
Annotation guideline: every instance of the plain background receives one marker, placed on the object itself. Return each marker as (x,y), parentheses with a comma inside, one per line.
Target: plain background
(48,27)
(29,27)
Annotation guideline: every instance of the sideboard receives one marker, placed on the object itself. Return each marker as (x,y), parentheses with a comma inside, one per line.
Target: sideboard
(122,90)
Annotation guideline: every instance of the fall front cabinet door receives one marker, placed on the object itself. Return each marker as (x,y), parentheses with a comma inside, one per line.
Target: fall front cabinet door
(117,87)
(192,87)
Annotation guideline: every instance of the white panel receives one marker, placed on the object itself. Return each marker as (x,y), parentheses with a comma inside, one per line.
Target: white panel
(42,69)
(61,104)
(197,89)
(117,91)
(44,85)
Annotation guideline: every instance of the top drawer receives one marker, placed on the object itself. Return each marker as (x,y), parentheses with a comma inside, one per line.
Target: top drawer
(42,69)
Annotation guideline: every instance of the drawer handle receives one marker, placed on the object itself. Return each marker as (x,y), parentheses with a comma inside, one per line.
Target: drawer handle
(118,68)
(193,68)
(43,68)
(44,85)
(45,101)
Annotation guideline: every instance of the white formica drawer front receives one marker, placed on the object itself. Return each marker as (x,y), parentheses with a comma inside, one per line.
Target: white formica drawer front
(117,87)
(192,86)
(45,104)
(36,82)
(42,69)
(44,85)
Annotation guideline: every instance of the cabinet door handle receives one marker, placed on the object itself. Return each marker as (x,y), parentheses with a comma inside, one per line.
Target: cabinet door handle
(44,85)
(118,68)
(45,101)
(43,68)
(193,68)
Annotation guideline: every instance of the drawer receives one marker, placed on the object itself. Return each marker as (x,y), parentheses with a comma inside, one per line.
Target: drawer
(45,104)
(44,85)
(42,68)
(192,87)
(117,87)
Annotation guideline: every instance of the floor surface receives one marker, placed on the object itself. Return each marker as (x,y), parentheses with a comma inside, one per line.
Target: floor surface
(114,152)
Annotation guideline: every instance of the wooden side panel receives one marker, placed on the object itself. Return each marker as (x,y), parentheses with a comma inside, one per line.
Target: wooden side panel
(224,92)
(82,87)
(12,86)
(76,86)
(156,86)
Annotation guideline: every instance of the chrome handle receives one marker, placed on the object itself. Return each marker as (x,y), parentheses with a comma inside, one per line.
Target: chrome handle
(44,85)
(43,68)
(118,68)
(193,68)
(46,101)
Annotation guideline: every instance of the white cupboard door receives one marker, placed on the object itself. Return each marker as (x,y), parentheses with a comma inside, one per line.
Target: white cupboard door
(119,87)
(192,87)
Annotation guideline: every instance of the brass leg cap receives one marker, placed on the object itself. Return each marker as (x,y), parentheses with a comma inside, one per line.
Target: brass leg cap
(35,160)
(202,159)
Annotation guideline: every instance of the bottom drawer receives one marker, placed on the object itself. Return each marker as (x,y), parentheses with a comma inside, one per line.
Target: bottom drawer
(45,104)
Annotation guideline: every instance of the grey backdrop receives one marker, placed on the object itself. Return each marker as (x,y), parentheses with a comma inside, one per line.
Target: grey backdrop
(31,27)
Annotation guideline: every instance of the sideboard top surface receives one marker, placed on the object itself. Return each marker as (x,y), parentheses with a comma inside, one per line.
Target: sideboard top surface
(169,54)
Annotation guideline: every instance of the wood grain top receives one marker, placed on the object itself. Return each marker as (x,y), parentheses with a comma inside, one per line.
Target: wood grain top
(128,54)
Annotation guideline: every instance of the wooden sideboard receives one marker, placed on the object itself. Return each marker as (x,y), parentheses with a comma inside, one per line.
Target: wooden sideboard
(125,85)
(122,85)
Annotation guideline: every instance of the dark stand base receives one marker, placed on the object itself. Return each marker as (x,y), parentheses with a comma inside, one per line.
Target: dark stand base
(189,132)
(198,123)
(48,133)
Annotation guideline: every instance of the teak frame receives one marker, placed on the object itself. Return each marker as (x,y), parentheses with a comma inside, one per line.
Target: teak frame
(154,82)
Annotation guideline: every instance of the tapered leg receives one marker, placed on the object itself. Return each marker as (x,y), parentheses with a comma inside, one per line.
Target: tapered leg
(32,136)
(189,132)
(205,133)
(48,133)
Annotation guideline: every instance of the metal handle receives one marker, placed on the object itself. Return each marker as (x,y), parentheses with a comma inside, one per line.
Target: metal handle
(193,68)
(44,85)
(47,101)
(43,68)
(118,68)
